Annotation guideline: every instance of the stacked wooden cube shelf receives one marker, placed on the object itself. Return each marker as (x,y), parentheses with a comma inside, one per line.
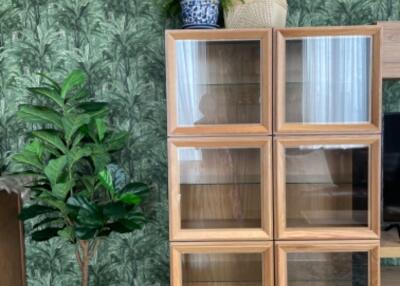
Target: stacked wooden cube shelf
(274,156)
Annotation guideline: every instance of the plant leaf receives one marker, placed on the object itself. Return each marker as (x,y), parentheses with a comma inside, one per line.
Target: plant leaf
(28,158)
(114,211)
(52,81)
(74,79)
(129,198)
(45,234)
(94,109)
(101,128)
(137,188)
(67,233)
(55,169)
(39,114)
(105,178)
(61,190)
(51,137)
(48,93)
(77,153)
(33,211)
(116,141)
(51,200)
(85,233)
(47,220)
(72,122)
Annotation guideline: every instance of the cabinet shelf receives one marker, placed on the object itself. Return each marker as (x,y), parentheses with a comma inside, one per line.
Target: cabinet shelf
(221,223)
(222,283)
(390,276)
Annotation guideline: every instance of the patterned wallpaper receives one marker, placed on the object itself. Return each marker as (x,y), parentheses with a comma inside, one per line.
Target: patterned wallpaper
(119,43)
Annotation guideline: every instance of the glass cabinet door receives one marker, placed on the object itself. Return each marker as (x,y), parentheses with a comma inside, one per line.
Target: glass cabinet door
(329,187)
(222,184)
(219,86)
(329,80)
(328,264)
(222,264)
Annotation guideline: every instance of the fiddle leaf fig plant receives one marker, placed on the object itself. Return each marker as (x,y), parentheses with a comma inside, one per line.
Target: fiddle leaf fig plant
(74,195)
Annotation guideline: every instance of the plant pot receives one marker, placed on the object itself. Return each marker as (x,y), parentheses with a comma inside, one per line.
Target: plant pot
(256,14)
(200,14)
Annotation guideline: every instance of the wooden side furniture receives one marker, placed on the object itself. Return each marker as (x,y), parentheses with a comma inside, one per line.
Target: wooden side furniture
(390,49)
(293,186)
(12,266)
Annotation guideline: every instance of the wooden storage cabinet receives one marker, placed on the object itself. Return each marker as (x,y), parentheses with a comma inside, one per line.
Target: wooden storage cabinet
(219,82)
(328,80)
(327,187)
(12,254)
(327,263)
(220,188)
(222,264)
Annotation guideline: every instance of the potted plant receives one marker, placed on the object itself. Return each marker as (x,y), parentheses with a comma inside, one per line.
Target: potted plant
(256,14)
(73,195)
(197,14)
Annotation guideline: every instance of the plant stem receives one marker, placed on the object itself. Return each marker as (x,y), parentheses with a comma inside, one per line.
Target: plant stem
(85,261)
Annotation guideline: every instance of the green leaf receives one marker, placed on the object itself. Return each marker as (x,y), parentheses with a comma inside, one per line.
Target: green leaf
(28,158)
(72,122)
(83,93)
(85,233)
(33,211)
(74,79)
(48,93)
(116,141)
(137,188)
(100,157)
(35,147)
(45,234)
(52,81)
(67,233)
(51,200)
(77,153)
(81,202)
(101,128)
(47,220)
(114,211)
(39,114)
(51,137)
(78,138)
(55,168)
(105,178)
(90,218)
(94,109)
(61,190)
(129,198)
(125,226)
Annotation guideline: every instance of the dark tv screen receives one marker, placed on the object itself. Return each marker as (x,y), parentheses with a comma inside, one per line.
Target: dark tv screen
(391,167)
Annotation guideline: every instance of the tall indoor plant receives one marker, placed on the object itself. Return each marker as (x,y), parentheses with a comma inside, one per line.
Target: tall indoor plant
(73,195)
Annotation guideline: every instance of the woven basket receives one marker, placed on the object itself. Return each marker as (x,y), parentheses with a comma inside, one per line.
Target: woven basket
(256,14)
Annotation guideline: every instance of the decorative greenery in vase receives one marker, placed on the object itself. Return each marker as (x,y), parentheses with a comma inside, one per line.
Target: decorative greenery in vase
(73,195)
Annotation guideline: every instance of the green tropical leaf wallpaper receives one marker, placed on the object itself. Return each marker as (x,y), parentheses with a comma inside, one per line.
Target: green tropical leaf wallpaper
(119,44)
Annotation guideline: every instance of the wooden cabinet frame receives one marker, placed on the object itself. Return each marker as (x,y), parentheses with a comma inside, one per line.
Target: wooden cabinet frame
(265,248)
(281,35)
(371,232)
(283,248)
(265,38)
(263,233)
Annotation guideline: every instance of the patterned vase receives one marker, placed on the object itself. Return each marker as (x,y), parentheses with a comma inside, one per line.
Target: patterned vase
(200,14)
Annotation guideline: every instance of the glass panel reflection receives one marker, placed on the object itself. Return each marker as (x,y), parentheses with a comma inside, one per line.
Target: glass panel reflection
(218,82)
(328,269)
(222,269)
(328,80)
(327,186)
(220,188)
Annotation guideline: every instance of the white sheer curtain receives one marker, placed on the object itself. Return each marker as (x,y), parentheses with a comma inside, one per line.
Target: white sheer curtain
(191,73)
(336,76)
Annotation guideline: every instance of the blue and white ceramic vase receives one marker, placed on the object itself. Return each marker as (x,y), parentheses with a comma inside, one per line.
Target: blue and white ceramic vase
(200,14)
